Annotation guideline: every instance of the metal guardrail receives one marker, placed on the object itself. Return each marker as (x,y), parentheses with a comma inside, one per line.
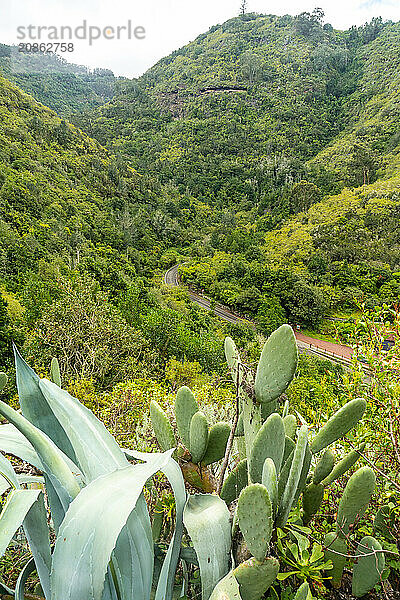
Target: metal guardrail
(224,313)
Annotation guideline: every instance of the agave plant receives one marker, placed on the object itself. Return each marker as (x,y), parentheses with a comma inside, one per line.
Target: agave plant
(104,548)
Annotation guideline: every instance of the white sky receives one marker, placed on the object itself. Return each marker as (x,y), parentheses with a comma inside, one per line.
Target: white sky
(169,24)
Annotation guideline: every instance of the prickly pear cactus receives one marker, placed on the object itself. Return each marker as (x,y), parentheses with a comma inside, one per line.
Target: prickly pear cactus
(277,365)
(270,481)
(335,551)
(312,500)
(233,359)
(162,427)
(324,466)
(356,497)
(3,381)
(235,482)
(290,424)
(254,513)
(217,440)
(343,465)
(269,442)
(293,480)
(198,436)
(255,577)
(367,570)
(185,407)
(55,374)
(339,424)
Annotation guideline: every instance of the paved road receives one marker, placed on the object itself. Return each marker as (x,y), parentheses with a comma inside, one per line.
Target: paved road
(321,348)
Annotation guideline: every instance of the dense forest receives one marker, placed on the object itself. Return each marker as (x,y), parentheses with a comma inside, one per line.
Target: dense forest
(263,158)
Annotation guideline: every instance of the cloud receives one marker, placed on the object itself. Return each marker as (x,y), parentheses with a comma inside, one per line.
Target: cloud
(170,24)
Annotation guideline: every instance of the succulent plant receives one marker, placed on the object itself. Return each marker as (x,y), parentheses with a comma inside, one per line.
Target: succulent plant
(204,445)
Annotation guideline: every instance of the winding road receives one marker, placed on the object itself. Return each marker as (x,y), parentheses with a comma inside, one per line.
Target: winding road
(328,350)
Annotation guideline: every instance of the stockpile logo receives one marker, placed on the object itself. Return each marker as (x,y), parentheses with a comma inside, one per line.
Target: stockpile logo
(37,40)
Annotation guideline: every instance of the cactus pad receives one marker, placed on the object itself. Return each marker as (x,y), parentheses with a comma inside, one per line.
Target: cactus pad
(339,424)
(235,482)
(293,480)
(270,481)
(254,513)
(267,409)
(185,407)
(277,365)
(239,431)
(162,427)
(256,577)
(312,499)
(355,499)
(55,374)
(3,381)
(198,436)
(335,548)
(367,570)
(232,357)
(217,440)
(343,465)
(268,443)
(324,466)
(290,424)
(289,447)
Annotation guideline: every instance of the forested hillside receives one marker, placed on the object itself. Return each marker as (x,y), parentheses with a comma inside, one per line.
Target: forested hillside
(261,118)
(66,88)
(81,228)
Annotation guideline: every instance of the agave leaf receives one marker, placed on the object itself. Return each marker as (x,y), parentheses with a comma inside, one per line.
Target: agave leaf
(37,534)
(28,569)
(15,509)
(6,469)
(98,514)
(97,454)
(6,590)
(206,519)
(13,442)
(35,527)
(54,465)
(30,480)
(173,472)
(35,407)
(95,449)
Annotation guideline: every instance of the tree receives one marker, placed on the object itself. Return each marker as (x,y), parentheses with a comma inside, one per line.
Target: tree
(270,315)
(304,195)
(243,7)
